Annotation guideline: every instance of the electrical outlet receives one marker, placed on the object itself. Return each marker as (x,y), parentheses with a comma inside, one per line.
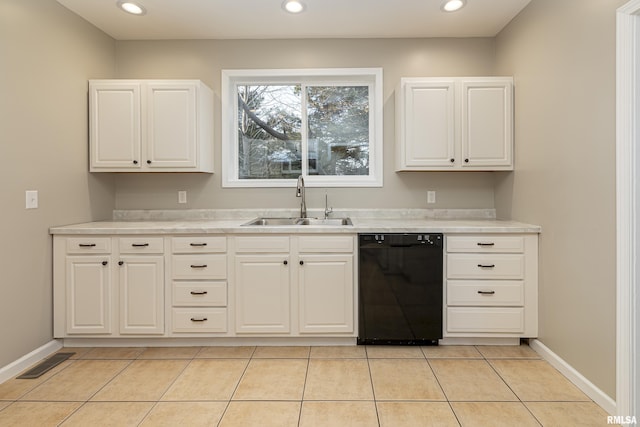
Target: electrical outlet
(431,196)
(182,197)
(31,199)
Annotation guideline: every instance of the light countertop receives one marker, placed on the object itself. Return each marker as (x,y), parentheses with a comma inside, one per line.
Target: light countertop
(360,225)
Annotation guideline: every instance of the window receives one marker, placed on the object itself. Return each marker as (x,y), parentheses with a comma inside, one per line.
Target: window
(323,124)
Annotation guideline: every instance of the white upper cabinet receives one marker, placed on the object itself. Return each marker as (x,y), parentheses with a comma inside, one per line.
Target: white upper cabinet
(454,124)
(150,126)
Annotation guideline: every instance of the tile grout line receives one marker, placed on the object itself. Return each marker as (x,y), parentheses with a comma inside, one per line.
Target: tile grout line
(442,389)
(507,384)
(226,408)
(304,387)
(83,403)
(169,386)
(373,390)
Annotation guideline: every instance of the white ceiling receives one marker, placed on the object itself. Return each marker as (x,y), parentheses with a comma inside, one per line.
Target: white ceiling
(258,19)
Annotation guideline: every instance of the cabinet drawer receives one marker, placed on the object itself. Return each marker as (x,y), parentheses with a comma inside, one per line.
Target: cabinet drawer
(199,319)
(479,266)
(331,244)
(197,294)
(485,292)
(485,319)
(136,245)
(255,244)
(204,266)
(196,244)
(88,245)
(483,244)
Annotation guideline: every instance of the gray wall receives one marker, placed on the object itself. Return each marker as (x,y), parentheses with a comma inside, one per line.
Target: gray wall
(562,56)
(398,57)
(46,56)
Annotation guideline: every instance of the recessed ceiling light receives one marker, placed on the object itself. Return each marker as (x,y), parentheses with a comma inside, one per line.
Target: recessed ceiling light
(293,6)
(452,5)
(132,8)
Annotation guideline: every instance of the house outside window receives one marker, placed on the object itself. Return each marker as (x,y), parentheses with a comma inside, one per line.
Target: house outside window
(323,124)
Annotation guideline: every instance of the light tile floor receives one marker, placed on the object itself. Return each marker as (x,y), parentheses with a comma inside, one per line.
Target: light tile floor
(300,386)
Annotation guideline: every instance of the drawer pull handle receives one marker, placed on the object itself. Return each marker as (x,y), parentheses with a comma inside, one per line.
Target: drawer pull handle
(139,245)
(197,244)
(198,292)
(486,265)
(87,245)
(485,244)
(486,292)
(198,265)
(198,319)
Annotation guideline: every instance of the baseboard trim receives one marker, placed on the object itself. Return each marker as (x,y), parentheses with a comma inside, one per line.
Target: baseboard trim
(14,368)
(587,387)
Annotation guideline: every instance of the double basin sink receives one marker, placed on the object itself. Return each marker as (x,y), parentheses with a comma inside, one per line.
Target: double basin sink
(298,221)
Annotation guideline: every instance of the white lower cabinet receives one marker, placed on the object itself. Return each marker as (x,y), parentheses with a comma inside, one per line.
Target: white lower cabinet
(87,295)
(262,289)
(141,282)
(325,286)
(491,286)
(294,285)
(198,283)
(108,286)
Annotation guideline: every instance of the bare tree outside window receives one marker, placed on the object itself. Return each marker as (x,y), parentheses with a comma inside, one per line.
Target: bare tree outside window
(338,122)
(269,120)
(323,124)
(270,138)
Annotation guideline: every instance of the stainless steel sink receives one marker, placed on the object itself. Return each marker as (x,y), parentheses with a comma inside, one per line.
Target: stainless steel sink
(272,221)
(298,221)
(328,221)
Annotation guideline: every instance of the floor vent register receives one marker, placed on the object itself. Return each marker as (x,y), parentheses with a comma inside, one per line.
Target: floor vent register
(45,366)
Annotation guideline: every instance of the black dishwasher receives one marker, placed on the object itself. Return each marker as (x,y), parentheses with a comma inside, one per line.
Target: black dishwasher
(400,289)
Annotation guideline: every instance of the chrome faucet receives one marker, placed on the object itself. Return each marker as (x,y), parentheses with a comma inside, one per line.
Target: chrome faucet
(300,193)
(327,209)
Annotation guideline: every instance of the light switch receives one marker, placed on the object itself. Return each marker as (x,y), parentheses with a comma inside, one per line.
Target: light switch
(31,197)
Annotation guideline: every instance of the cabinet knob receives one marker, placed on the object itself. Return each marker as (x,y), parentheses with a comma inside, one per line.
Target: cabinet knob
(148,162)
(452,160)
(105,262)
(135,162)
(120,262)
(466,160)
(285,262)
(301,262)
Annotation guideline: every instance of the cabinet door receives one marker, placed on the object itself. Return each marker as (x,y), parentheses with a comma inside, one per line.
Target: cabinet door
(141,285)
(326,293)
(88,295)
(262,293)
(487,124)
(115,129)
(428,124)
(171,125)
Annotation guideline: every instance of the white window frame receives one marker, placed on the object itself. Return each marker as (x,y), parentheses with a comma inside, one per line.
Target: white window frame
(371,77)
